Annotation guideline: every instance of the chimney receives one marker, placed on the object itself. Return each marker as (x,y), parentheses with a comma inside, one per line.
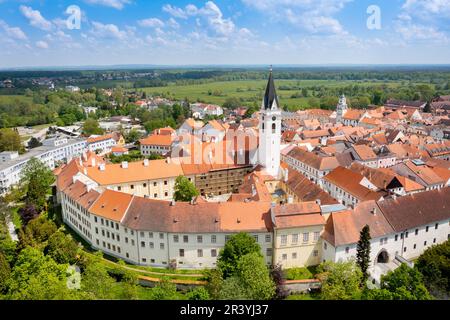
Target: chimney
(286,175)
(319,202)
(125,165)
(253,190)
(93,162)
(374,211)
(85,171)
(102,167)
(290,200)
(173,203)
(168,160)
(146,163)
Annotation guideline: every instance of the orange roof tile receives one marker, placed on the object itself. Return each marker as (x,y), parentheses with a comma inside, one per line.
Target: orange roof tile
(111,205)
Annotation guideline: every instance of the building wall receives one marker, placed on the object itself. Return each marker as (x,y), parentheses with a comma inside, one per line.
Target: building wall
(152,247)
(409,247)
(340,194)
(298,253)
(149,149)
(162,189)
(221,181)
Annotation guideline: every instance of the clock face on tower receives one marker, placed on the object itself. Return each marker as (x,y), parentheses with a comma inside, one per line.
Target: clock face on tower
(274,119)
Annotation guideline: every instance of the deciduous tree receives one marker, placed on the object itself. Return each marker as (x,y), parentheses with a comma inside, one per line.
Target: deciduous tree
(184,189)
(235,248)
(36,181)
(340,281)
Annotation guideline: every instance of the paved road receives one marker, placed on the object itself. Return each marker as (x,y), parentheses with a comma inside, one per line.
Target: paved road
(12,231)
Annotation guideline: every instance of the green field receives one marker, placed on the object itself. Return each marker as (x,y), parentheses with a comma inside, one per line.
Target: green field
(253,91)
(13,98)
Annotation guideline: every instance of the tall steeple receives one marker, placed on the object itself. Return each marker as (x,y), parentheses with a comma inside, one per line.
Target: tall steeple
(270,97)
(341,109)
(270,130)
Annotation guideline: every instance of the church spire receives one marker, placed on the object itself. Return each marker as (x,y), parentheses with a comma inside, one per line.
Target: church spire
(271,95)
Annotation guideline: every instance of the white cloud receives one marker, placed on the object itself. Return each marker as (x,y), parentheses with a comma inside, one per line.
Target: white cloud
(173,23)
(116,4)
(151,23)
(13,32)
(42,45)
(209,12)
(411,32)
(35,18)
(101,30)
(423,20)
(426,7)
(175,11)
(314,16)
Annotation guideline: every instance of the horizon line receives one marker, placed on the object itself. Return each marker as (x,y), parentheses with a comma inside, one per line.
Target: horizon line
(186,66)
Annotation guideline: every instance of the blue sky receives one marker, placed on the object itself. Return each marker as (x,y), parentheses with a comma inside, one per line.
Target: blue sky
(176,32)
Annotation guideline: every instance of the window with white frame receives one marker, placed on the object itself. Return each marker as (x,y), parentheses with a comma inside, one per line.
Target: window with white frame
(295,238)
(306,237)
(283,240)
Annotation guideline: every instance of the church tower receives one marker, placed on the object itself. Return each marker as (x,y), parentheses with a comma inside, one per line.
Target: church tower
(341,109)
(270,130)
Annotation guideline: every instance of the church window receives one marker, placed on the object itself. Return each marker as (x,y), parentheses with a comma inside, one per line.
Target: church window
(274,127)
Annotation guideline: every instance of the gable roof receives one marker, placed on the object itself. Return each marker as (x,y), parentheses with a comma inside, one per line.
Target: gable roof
(111,205)
(350,182)
(344,227)
(314,160)
(417,209)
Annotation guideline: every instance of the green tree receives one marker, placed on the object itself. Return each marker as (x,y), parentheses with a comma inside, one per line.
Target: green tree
(165,290)
(38,277)
(36,233)
(96,281)
(340,281)
(199,293)
(363,252)
(184,189)
(133,136)
(232,289)
(255,277)
(91,127)
(405,283)
(36,181)
(62,248)
(5,271)
(235,248)
(214,282)
(10,141)
(434,265)
(231,103)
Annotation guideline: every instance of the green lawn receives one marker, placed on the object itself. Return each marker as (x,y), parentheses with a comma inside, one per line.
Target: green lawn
(42,126)
(301,273)
(305,296)
(251,90)
(16,218)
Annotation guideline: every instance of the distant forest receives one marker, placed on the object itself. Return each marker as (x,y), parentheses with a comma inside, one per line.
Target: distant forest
(140,78)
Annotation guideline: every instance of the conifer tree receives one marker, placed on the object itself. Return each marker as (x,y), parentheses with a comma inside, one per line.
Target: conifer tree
(363,252)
